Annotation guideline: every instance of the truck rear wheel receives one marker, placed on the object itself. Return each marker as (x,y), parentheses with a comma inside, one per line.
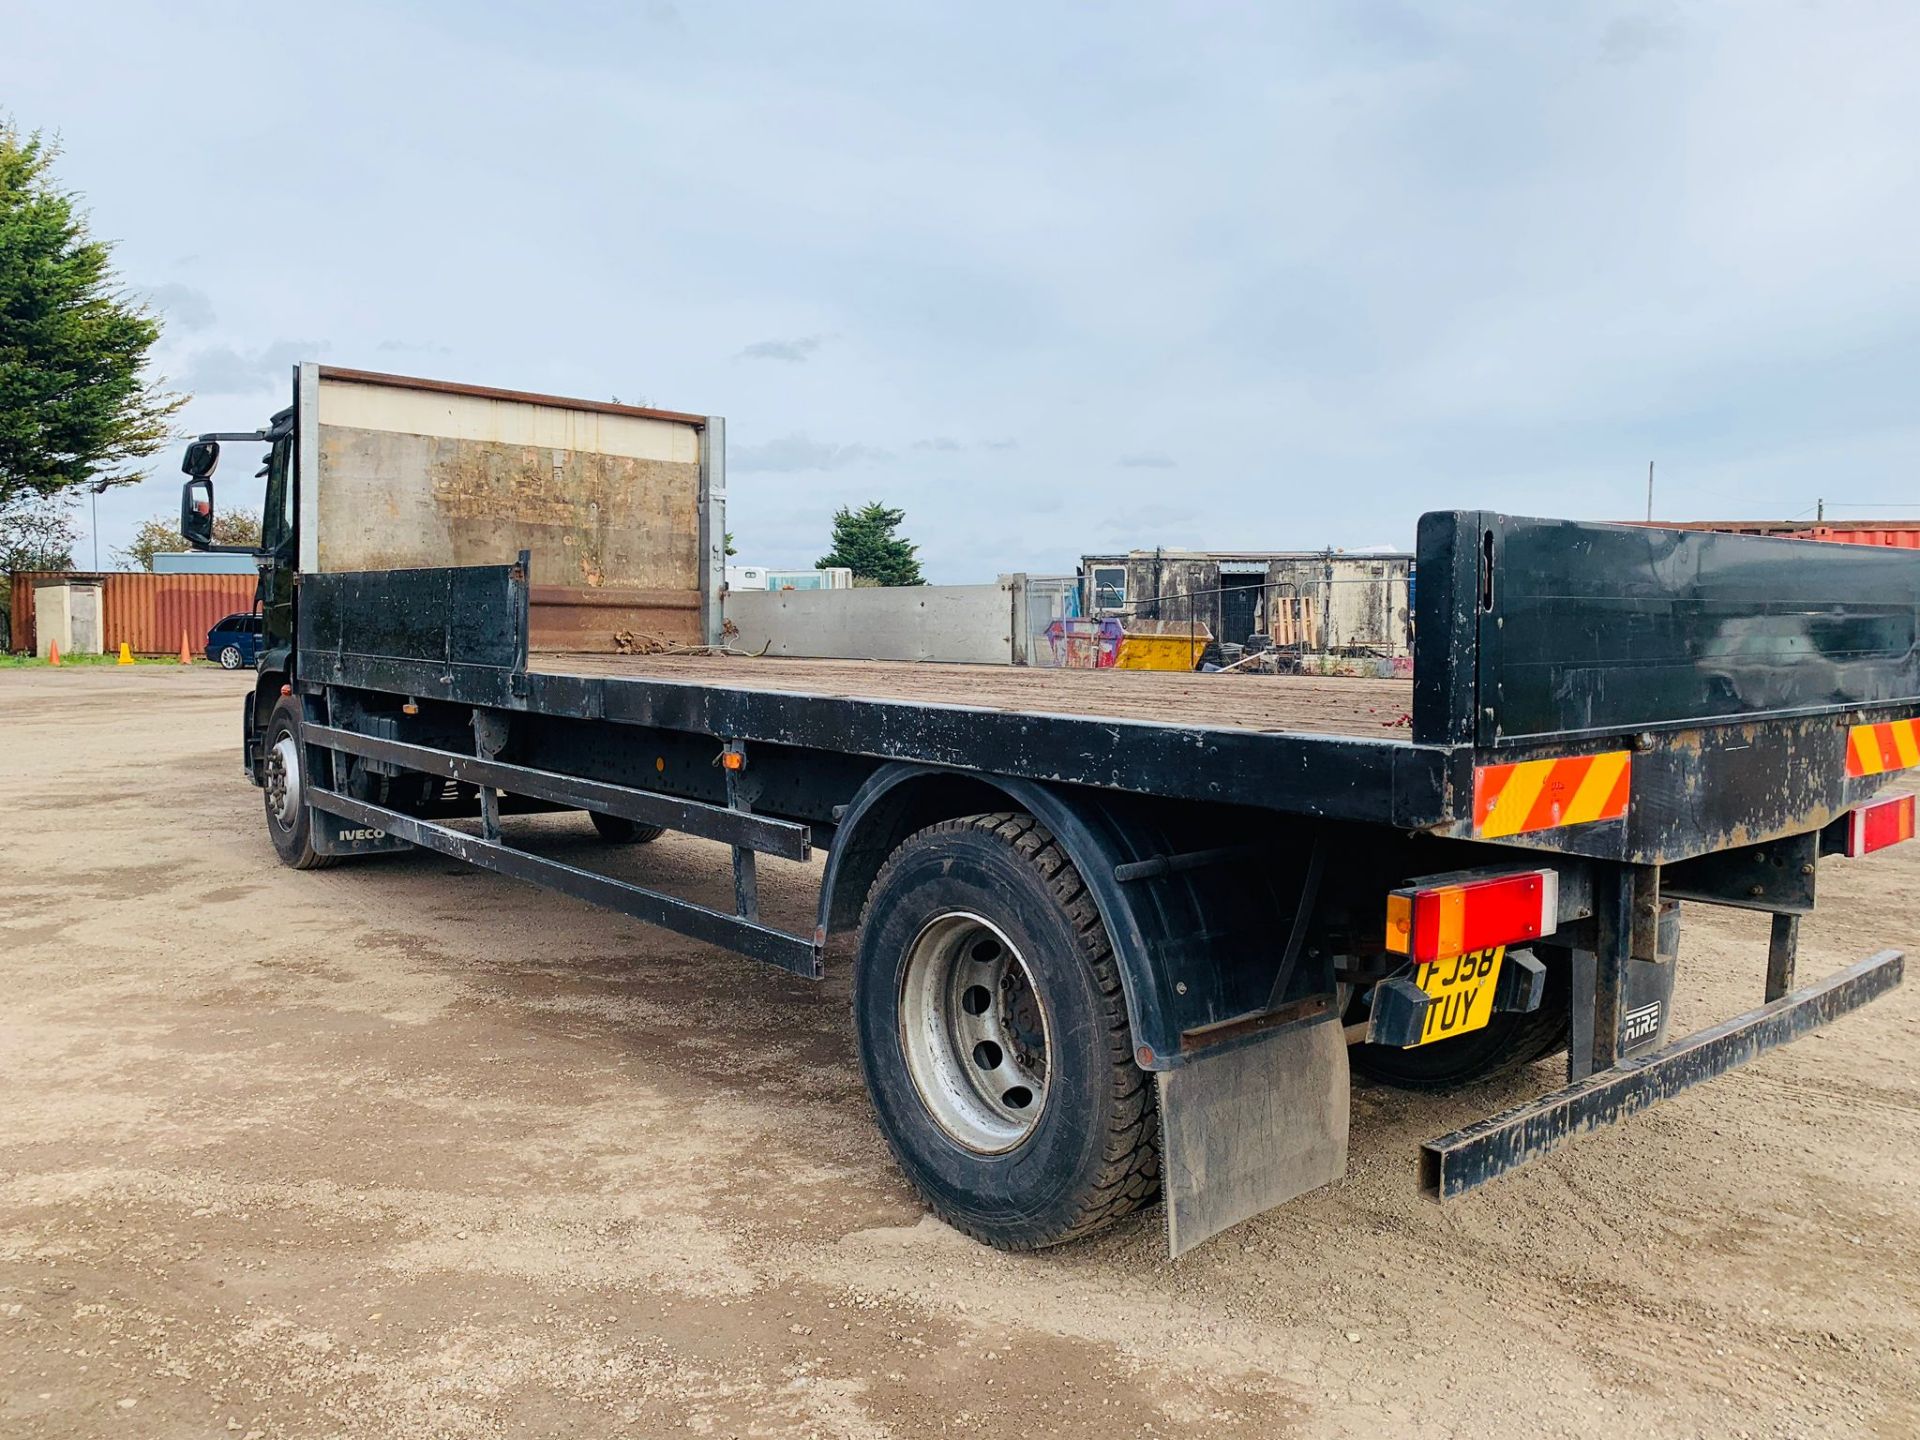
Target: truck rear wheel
(993,1036)
(284,769)
(618,830)
(1506,1043)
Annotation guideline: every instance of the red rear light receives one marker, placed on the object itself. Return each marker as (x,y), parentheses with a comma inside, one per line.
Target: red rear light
(1440,921)
(1883,823)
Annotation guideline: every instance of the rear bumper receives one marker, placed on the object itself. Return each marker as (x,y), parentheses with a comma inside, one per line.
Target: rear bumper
(1468,1158)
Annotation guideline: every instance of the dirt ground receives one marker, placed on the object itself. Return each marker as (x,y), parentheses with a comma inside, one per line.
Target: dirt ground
(400,1149)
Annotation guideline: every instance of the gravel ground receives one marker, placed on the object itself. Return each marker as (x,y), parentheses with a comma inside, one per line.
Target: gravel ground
(400,1149)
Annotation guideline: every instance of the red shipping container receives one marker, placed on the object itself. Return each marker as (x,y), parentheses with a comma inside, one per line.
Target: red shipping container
(149,612)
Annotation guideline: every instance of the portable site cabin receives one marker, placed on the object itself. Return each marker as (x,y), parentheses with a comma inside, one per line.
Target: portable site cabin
(1323,601)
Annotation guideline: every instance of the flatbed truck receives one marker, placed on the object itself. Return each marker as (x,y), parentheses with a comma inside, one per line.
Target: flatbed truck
(1113,936)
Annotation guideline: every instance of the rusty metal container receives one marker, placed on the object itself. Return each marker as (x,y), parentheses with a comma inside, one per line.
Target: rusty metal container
(149,612)
(1898,534)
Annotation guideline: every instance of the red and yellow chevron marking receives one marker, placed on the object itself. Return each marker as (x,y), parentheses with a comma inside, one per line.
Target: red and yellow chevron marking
(1543,794)
(1890,745)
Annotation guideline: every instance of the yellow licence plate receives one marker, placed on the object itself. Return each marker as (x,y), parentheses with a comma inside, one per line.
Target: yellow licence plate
(1462,990)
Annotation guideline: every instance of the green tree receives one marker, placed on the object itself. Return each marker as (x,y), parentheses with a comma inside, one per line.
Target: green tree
(76,404)
(161,536)
(865,543)
(35,534)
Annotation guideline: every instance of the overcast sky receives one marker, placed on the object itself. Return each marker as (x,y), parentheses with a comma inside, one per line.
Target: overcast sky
(1052,279)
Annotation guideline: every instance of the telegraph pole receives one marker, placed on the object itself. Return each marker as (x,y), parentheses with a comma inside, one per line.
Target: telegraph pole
(96,488)
(1649,490)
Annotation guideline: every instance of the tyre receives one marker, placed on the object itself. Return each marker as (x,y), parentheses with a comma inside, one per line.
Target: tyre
(618,830)
(230,658)
(1507,1043)
(993,1037)
(284,766)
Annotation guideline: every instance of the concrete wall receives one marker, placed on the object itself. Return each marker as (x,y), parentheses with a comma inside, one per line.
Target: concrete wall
(962,623)
(68,616)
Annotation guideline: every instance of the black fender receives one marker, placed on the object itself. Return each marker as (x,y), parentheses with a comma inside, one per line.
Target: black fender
(256,708)
(1197,947)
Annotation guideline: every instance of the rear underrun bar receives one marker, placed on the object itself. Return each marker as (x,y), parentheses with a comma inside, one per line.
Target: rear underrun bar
(1469,1158)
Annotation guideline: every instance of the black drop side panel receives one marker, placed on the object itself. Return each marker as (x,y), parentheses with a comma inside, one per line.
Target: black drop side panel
(474,615)
(1537,629)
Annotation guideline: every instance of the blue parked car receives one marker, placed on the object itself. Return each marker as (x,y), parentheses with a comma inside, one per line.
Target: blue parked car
(235,641)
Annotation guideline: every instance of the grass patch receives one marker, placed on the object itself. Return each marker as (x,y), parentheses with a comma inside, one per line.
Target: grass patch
(34,662)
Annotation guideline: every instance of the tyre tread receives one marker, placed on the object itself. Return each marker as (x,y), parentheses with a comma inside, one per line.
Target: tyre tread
(1130,1177)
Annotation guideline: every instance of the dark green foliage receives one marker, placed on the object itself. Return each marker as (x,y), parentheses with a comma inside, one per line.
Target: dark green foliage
(864,542)
(75,402)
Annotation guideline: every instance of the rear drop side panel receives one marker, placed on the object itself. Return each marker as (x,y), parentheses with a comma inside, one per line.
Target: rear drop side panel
(1684,794)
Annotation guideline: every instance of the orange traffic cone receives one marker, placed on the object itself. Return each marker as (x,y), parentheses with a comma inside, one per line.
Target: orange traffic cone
(186,655)
(53,652)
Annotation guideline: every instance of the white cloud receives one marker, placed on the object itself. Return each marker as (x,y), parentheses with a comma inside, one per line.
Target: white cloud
(794,352)
(224,370)
(1340,262)
(181,307)
(799,452)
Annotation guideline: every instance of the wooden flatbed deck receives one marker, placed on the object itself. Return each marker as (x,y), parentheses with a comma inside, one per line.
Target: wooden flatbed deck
(1294,704)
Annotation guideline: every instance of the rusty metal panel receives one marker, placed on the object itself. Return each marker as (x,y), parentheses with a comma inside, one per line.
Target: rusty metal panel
(605,497)
(20,611)
(152,613)
(581,620)
(1900,538)
(1895,534)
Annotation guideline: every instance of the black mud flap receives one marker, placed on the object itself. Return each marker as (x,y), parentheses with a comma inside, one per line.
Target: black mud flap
(338,835)
(1646,1006)
(1252,1127)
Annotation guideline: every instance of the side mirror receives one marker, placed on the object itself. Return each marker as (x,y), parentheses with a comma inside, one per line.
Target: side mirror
(201,457)
(196,511)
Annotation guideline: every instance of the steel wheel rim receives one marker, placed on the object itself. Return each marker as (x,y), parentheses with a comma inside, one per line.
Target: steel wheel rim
(283,780)
(975,1032)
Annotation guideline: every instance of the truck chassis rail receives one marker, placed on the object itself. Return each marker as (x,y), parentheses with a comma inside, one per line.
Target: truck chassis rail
(795,953)
(1468,1158)
(710,822)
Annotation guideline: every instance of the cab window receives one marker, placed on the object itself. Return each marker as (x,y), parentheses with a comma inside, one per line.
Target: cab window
(276,520)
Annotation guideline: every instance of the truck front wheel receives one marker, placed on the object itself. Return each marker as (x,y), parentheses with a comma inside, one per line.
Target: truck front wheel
(994,1039)
(284,768)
